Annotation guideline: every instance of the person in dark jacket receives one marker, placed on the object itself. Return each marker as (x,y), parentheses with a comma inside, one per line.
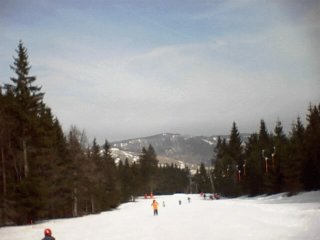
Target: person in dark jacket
(48,234)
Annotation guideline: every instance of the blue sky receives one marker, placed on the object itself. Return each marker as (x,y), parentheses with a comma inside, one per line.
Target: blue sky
(125,69)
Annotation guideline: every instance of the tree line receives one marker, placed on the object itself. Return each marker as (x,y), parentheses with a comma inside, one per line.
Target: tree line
(46,173)
(269,163)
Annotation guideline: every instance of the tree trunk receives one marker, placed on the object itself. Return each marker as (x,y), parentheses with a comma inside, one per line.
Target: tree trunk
(15,164)
(3,211)
(92,204)
(25,159)
(4,177)
(75,202)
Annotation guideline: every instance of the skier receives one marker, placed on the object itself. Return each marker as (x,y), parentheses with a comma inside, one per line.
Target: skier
(48,234)
(155,204)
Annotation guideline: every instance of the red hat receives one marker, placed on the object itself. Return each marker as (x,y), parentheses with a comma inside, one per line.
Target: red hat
(47,232)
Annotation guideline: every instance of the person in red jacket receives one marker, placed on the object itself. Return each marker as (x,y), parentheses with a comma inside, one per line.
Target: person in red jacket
(48,234)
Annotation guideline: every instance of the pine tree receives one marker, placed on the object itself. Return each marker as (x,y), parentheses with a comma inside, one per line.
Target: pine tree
(110,180)
(202,179)
(45,162)
(25,108)
(28,100)
(254,166)
(148,167)
(126,178)
(222,171)
(264,138)
(229,164)
(153,162)
(311,165)
(137,183)
(265,147)
(236,153)
(216,151)
(59,200)
(32,151)
(279,158)
(76,176)
(94,176)
(7,126)
(296,156)
(234,146)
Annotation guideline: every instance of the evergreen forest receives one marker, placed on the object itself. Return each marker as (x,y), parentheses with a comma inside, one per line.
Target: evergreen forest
(269,163)
(46,173)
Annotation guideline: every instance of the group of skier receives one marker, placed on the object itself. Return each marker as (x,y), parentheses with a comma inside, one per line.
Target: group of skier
(214,196)
(154,204)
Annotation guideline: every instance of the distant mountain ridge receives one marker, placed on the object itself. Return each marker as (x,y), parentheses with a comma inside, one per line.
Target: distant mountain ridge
(169,146)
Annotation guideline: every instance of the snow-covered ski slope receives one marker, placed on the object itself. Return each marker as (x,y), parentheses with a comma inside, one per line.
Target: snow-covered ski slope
(272,217)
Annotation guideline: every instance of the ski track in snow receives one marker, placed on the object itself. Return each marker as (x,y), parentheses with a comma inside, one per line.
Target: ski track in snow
(264,217)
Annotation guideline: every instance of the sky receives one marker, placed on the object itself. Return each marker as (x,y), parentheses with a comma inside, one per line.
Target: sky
(264,217)
(127,69)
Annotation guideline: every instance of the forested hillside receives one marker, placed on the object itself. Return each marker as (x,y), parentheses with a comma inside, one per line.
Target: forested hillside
(48,174)
(270,162)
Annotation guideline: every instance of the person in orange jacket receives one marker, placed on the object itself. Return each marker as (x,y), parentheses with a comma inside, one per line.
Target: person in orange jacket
(155,205)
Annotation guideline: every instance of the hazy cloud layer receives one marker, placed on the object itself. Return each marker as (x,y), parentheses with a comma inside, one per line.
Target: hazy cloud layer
(131,68)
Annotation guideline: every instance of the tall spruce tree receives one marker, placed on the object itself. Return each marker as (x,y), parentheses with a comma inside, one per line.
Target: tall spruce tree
(148,168)
(264,138)
(254,166)
(8,124)
(202,179)
(296,156)
(26,107)
(94,177)
(76,175)
(110,180)
(126,179)
(265,146)
(223,180)
(277,160)
(311,165)
(28,99)
(236,154)
(31,149)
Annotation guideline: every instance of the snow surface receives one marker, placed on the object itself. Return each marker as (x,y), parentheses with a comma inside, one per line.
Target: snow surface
(207,141)
(264,217)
